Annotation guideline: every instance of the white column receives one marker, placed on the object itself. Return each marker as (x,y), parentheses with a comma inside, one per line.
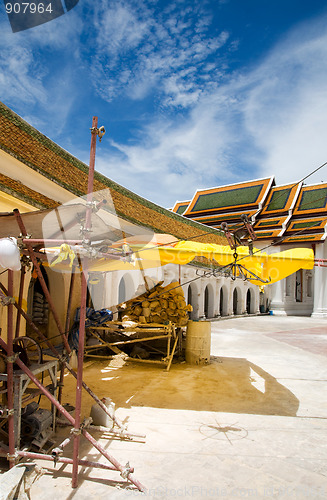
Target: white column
(216,288)
(203,284)
(277,291)
(320,284)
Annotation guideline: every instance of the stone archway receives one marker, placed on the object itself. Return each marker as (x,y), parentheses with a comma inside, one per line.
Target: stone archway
(250,301)
(193,299)
(223,301)
(209,301)
(237,301)
(126,288)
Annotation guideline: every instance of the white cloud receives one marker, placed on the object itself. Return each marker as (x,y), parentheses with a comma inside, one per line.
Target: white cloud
(19,75)
(173,160)
(267,121)
(285,110)
(43,92)
(141,50)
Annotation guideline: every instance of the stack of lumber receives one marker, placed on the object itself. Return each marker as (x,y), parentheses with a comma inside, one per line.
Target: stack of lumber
(158,305)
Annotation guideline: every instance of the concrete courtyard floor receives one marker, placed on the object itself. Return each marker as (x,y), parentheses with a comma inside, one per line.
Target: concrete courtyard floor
(251,424)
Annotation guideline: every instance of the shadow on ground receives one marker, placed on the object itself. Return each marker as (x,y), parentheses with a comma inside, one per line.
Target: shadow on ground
(232,385)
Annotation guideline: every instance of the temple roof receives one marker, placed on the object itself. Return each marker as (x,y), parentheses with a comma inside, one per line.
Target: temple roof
(312,200)
(231,198)
(23,142)
(289,213)
(180,207)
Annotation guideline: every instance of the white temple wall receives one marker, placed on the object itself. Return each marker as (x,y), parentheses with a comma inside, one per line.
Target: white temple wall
(320,284)
(303,293)
(210,297)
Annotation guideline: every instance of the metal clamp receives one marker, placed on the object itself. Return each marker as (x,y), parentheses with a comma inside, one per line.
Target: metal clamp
(86,422)
(126,471)
(56,454)
(76,432)
(6,300)
(20,239)
(26,262)
(12,359)
(5,412)
(93,205)
(98,131)
(13,457)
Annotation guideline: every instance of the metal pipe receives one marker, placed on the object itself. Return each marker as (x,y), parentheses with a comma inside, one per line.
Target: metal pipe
(98,400)
(64,460)
(56,452)
(32,325)
(111,459)
(79,378)
(70,298)
(41,279)
(71,419)
(84,276)
(80,243)
(10,372)
(121,435)
(56,354)
(20,299)
(41,241)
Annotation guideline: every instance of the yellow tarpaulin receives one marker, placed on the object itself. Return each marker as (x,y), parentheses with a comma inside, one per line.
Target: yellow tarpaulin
(266,266)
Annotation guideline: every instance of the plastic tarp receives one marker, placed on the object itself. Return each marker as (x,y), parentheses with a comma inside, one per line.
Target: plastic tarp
(267,266)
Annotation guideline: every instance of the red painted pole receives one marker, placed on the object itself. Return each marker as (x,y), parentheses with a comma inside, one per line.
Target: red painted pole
(64,460)
(10,371)
(20,299)
(71,419)
(56,355)
(84,275)
(79,379)
(41,279)
(41,241)
(30,322)
(69,306)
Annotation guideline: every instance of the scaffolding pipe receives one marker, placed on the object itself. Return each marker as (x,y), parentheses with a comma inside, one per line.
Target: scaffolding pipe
(71,371)
(84,276)
(79,378)
(20,299)
(123,470)
(64,460)
(30,322)
(69,305)
(41,279)
(41,241)
(10,371)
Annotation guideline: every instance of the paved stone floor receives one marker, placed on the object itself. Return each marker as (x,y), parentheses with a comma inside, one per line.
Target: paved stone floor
(252,424)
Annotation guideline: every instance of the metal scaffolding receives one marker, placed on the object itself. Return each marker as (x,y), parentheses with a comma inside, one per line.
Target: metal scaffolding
(30,248)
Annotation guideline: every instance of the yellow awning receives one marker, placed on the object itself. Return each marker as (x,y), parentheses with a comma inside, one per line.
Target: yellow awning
(267,266)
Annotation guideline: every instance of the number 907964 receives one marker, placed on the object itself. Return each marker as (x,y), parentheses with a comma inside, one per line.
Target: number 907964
(28,8)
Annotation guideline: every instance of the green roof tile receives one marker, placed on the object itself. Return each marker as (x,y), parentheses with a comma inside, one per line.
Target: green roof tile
(226,199)
(313,199)
(278,199)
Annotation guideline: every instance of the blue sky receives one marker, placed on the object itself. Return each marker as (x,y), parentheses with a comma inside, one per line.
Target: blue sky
(193,94)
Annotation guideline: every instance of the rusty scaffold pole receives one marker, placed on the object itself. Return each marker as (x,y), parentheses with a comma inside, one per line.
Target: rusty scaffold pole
(84,276)
(10,371)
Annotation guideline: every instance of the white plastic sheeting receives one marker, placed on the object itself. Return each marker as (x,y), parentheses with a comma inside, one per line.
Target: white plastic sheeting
(9,254)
